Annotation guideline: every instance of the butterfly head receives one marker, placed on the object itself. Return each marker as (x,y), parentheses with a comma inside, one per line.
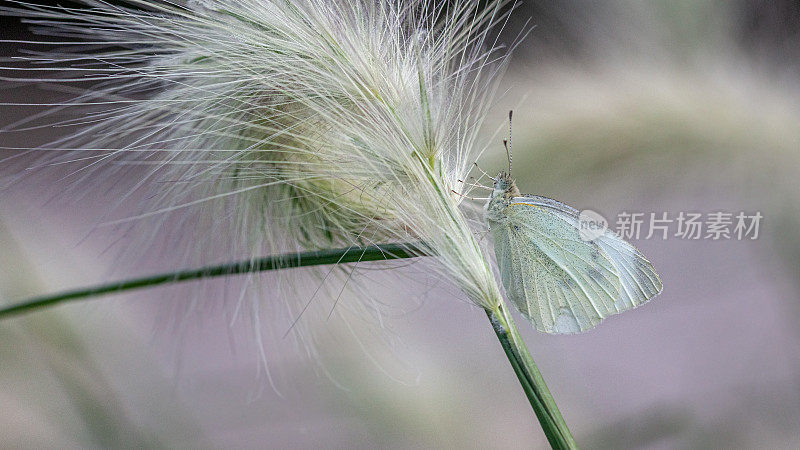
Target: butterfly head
(503,194)
(505,185)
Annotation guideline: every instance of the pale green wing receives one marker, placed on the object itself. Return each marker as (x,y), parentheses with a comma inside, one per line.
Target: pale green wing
(638,278)
(560,282)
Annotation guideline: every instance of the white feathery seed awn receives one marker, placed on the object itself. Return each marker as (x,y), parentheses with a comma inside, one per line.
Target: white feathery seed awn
(319,123)
(326,124)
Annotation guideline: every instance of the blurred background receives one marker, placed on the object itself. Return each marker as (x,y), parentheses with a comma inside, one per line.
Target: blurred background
(620,106)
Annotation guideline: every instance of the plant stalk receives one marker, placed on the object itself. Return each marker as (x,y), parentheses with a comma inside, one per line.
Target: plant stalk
(542,401)
(285,261)
(553,424)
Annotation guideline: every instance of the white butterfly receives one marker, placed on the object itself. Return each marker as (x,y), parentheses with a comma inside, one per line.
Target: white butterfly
(562,283)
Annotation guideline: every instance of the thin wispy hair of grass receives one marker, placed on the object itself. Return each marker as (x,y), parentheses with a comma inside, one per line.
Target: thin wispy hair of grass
(285,126)
(274,126)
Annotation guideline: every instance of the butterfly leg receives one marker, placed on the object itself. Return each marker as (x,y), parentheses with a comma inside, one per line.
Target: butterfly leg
(483,172)
(469,198)
(476,185)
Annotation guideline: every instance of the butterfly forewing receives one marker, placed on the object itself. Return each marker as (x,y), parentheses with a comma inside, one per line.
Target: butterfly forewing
(562,283)
(639,279)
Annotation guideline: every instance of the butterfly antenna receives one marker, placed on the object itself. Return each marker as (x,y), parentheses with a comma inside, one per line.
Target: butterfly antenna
(507,142)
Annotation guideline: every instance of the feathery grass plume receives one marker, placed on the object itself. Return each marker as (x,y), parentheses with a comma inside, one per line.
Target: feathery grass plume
(311,124)
(284,125)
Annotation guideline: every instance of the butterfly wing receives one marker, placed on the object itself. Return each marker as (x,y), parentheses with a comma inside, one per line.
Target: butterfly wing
(562,283)
(638,278)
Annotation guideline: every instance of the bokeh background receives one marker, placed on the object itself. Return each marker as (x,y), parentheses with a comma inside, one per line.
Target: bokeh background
(636,106)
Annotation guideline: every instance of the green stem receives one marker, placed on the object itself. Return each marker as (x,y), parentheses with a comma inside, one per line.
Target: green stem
(335,256)
(517,352)
(553,424)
